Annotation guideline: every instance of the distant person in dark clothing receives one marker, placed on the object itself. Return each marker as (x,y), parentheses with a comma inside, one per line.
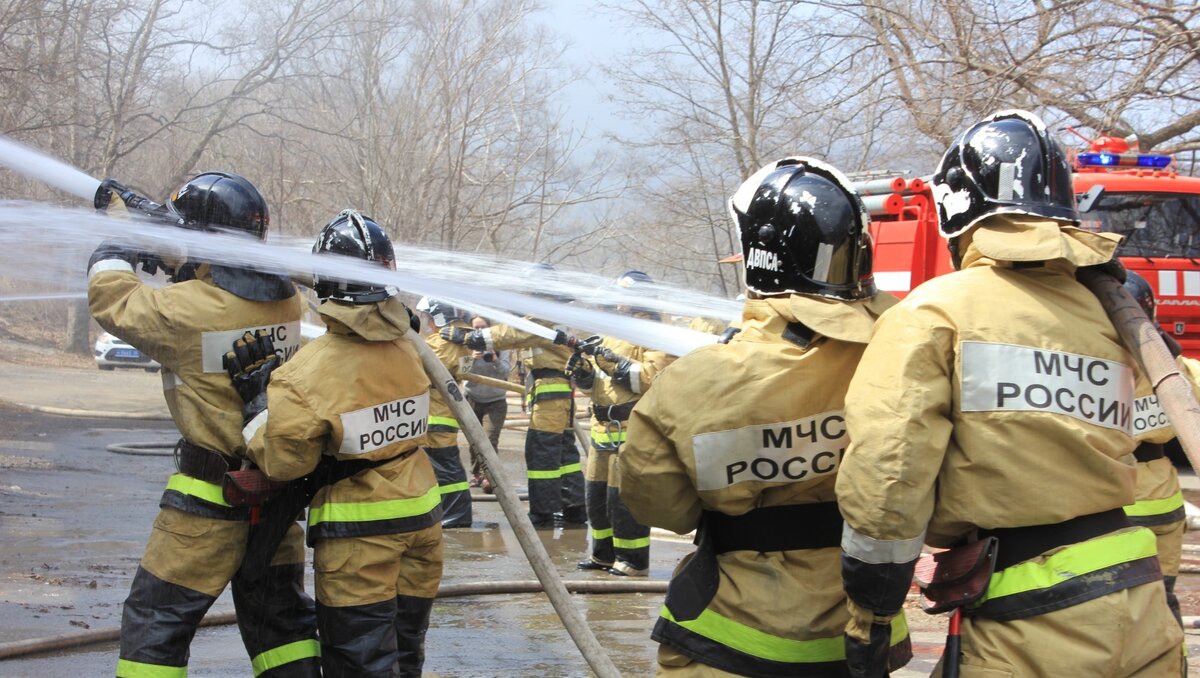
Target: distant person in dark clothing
(489,402)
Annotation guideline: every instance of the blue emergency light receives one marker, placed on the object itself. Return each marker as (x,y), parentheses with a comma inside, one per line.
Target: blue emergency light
(1122,160)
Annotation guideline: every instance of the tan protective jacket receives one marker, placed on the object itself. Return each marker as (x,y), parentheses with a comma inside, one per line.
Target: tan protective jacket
(357,392)
(188,327)
(543,353)
(757,422)
(709,325)
(442,422)
(965,417)
(645,364)
(607,391)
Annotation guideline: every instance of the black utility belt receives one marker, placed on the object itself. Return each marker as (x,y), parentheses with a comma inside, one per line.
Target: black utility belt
(203,464)
(547,373)
(1149,452)
(776,528)
(1018,544)
(607,413)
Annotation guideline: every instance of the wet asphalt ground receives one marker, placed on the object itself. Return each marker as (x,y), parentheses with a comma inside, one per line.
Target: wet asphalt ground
(74,518)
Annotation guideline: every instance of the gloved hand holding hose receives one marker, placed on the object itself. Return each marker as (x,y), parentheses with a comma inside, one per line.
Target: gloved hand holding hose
(250,365)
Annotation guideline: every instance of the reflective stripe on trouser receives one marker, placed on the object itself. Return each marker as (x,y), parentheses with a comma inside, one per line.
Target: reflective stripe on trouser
(1071,575)
(1150,512)
(452,484)
(630,539)
(1129,633)
(729,645)
(189,560)
(160,619)
(596,496)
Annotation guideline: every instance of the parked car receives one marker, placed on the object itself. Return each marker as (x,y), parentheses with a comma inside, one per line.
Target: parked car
(112,353)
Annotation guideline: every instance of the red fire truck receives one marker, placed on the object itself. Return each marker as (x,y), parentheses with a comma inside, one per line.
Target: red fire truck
(1140,196)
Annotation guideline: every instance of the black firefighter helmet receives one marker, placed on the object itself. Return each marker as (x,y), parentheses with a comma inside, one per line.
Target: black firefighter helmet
(351,234)
(1008,163)
(440,312)
(1140,290)
(226,202)
(221,201)
(804,230)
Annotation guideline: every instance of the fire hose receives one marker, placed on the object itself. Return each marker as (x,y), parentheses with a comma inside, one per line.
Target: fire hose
(67,641)
(572,619)
(1141,337)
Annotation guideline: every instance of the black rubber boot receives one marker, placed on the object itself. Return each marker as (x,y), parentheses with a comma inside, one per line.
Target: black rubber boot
(412,621)
(358,641)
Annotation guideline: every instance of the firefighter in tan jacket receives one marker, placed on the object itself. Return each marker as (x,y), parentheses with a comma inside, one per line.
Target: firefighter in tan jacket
(1159,505)
(443,426)
(618,375)
(995,402)
(199,539)
(551,457)
(353,405)
(741,441)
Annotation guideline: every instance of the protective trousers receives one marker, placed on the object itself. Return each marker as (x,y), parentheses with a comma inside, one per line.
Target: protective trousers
(630,539)
(1169,540)
(596,495)
(188,562)
(1077,640)
(374,596)
(551,457)
(442,448)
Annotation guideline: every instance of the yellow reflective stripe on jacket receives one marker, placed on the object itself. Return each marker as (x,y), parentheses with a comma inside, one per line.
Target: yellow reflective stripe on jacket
(606,533)
(376,510)
(605,437)
(1155,507)
(643,543)
(763,645)
(1073,561)
(551,388)
(194,487)
(464,486)
(443,421)
(129,669)
(278,656)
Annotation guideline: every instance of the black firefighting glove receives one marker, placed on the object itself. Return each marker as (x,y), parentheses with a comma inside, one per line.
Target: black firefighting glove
(249,365)
(563,339)
(454,335)
(876,593)
(869,659)
(114,250)
(579,368)
(1112,267)
(132,200)
(471,339)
